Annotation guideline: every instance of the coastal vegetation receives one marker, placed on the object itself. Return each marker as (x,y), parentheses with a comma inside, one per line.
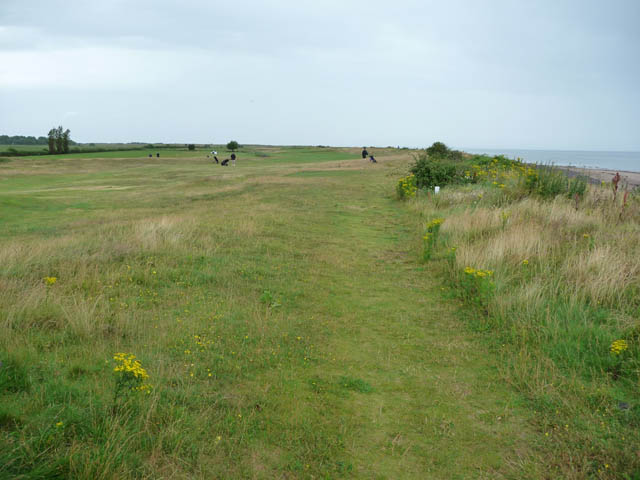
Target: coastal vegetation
(551,269)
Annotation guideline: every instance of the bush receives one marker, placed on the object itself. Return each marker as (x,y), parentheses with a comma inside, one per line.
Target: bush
(438,149)
(191,147)
(431,172)
(232,145)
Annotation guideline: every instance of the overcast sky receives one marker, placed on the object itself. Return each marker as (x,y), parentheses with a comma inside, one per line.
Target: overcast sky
(554,74)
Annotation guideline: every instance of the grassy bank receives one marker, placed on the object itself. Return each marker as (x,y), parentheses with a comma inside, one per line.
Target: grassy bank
(553,277)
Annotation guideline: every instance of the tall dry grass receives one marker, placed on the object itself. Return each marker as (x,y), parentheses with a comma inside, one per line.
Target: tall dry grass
(566,285)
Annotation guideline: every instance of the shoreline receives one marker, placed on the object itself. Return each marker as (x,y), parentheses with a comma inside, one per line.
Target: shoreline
(598,175)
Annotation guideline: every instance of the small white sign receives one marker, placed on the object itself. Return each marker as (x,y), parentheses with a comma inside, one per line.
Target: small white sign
(437,189)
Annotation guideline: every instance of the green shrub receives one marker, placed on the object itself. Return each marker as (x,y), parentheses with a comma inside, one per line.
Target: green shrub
(430,172)
(496,161)
(438,149)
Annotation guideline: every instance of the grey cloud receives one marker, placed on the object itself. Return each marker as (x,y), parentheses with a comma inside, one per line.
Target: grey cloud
(481,73)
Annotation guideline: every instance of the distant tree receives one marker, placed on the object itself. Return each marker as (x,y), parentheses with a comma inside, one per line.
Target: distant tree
(191,146)
(59,133)
(232,145)
(65,141)
(52,140)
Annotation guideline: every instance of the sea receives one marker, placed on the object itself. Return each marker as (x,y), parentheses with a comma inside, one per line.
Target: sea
(624,161)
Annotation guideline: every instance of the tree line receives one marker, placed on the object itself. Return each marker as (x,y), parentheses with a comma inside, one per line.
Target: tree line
(22,140)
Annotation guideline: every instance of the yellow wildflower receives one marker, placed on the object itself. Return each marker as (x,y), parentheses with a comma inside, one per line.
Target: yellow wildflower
(128,364)
(435,222)
(618,347)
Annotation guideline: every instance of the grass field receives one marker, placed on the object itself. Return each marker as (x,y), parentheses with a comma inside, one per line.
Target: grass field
(279,308)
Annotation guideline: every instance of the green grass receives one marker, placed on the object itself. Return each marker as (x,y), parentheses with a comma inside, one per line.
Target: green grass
(286,323)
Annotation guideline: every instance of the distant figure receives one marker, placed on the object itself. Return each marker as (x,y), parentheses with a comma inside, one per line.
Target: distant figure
(225,162)
(364,153)
(372,160)
(151,155)
(233,159)
(216,159)
(158,155)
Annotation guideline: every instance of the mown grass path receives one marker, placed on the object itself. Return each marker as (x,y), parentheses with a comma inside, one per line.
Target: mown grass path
(334,352)
(437,407)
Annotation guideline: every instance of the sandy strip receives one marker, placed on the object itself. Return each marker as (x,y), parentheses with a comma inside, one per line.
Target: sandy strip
(597,175)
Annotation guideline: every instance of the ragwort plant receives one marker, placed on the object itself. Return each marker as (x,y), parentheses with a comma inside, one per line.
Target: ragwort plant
(130,376)
(430,238)
(477,286)
(407,187)
(619,351)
